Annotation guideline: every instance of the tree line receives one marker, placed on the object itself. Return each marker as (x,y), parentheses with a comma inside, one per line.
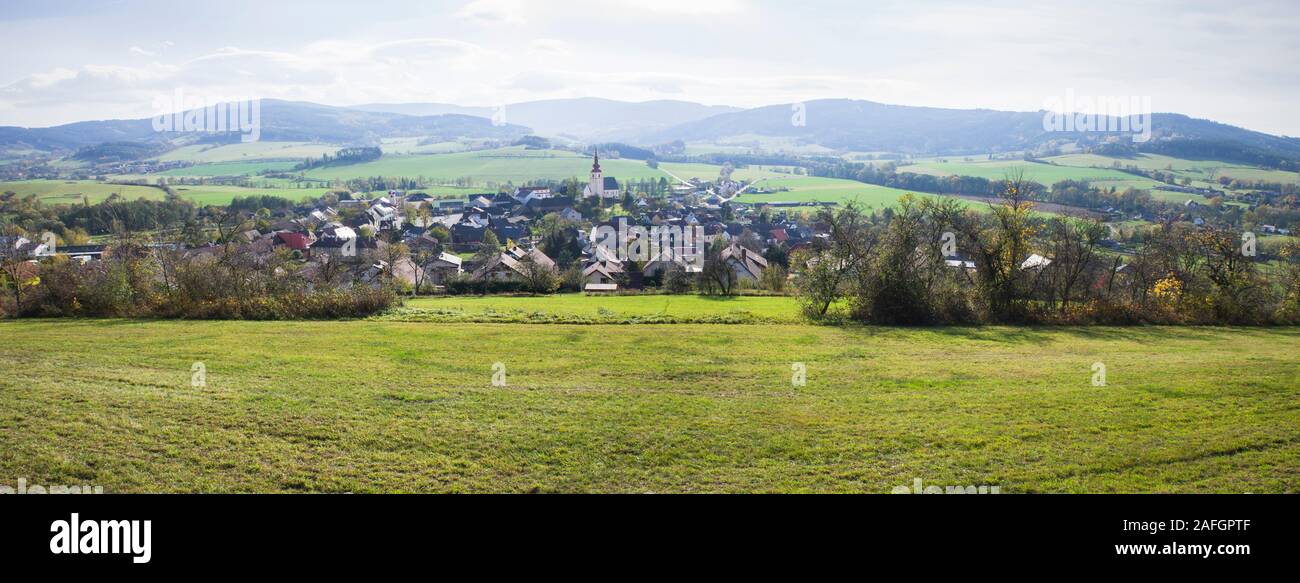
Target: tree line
(933,261)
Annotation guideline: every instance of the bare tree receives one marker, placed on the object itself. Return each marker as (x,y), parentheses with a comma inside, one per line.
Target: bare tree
(1073,245)
(538,278)
(717,276)
(16,275)
(826,273)
(1000,251)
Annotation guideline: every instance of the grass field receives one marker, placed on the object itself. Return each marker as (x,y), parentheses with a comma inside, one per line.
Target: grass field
(229,169)
(74,191)
(247,152)
(516,165)
(1201,172)
(815,189)
(605,308)
(1047,174)
(1260,174)
(218,194)
(519,165)
(367,406)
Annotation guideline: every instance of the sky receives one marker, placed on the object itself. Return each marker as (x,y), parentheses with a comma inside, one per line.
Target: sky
(66,61)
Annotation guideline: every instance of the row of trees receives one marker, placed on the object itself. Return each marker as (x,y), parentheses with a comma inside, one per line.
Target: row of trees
(140,276)
(1277,209)
(344,157)
(901,271)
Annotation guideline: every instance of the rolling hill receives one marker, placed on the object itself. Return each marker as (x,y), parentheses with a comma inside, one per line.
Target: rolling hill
(586,119)
(281,121)
(830,127)
(865,126)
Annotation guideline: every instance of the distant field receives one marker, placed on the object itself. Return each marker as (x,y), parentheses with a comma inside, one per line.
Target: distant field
(814,189)
(1260,174)
(365,406)
(519,165)
(229,169)
(1137,183)
(248,152)
(413,146)
(516,165)
(1201,171)
(1046,174)
(1143,161)
(73,191)
(219,195)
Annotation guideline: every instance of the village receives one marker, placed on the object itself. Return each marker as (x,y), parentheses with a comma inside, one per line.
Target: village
(509,240)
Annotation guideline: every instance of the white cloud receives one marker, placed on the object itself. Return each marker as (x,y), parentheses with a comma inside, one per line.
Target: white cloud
(494,11)
(43,80)
(688,7)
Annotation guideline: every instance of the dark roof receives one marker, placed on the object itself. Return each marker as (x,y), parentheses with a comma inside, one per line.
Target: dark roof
(465,233)
(506,231)
(556,203)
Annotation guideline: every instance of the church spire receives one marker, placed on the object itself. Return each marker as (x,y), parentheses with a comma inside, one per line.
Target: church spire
(595,162)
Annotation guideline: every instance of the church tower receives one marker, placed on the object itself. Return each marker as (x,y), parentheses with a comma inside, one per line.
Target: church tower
(597,184)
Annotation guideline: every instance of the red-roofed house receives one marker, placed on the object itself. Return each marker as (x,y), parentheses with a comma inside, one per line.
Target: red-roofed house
(295,241)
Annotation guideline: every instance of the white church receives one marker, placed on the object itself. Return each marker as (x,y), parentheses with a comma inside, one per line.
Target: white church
(600,185)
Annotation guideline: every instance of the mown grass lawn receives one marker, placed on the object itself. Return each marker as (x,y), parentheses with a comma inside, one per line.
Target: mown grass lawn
(608,309)
(368,406)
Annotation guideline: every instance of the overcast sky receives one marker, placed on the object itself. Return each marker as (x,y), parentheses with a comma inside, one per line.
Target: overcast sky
(1232,62)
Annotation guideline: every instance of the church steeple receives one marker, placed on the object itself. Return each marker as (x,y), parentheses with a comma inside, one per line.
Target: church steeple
(596,186)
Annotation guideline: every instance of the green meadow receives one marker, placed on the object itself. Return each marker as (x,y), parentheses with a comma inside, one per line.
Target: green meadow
(247,152)
(1200,172)
(816,189)
(516,164)
(75,191)
(220,194)
(597,308)
(229,169)
(379,406)
(1047,174)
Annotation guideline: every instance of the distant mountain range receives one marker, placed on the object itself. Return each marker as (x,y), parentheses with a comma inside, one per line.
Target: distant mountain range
(281,121)
(838,124)
(866,126)
(586,119)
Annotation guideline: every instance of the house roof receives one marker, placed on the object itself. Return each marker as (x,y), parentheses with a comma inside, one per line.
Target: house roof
(1035,261)
(606,269)
(749,260)
(511,259)
(298,241)
(669,257)
(449,258)
(340,233)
